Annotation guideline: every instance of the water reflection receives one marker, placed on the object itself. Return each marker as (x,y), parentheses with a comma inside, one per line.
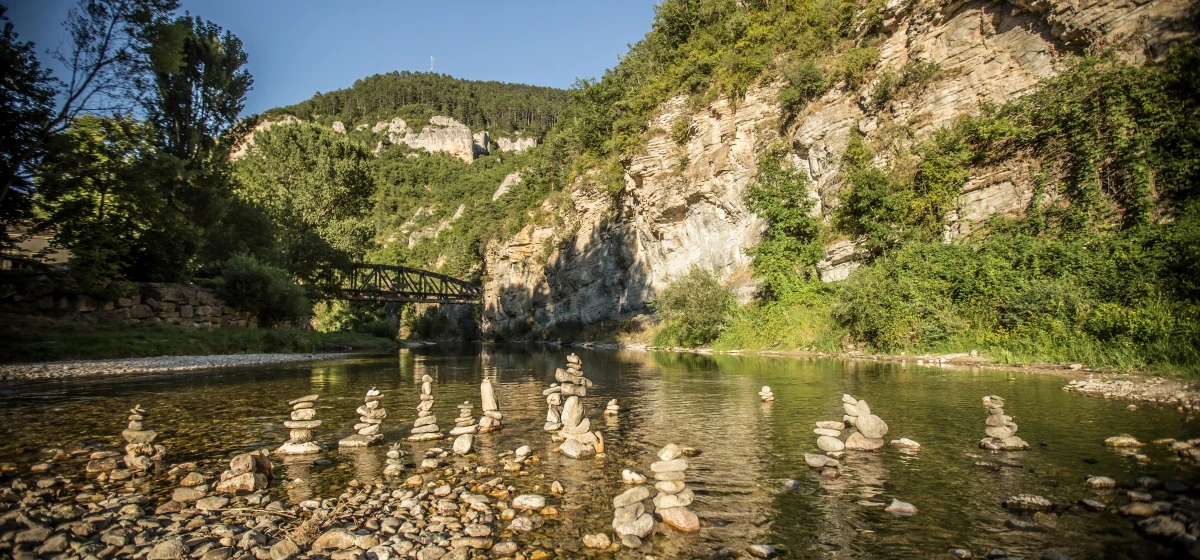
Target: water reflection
(747,447)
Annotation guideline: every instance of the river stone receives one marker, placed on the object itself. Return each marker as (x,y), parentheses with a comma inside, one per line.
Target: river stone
(1161,526)
(862,409)
(639,527)
(1100,482)
(859,442)
(847,399)
(304,414)
(193,479)
(425,429)
(630,477)
(300,436)
(631,496)
(827,432)
(243,483)
(673,465)
(669,452)
(1139,509)
(304,399)
(301,424)
(212,503)
(369,430)
(680,518)
(572,412)
(170,549)
(597,540)
(463,444)
(487,396)
(139,436)
(1028,502)
(575,449)
(762,551)
(284,550)
(669,486)
(997,420)
(999,432)
(670,475)
(827,443)
(682,499)
(831,425)
(906,443)
(293,448)
(1123,441)
(303,406)
(529,502)
(818,461)
(871,426)
(1014,443)
(900,508)
(583,426)
(334,539)
(186,495)
(850,409)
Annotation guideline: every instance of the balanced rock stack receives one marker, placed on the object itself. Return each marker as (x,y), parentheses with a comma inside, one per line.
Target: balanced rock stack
(673,495)
(578,439)
(829,435)
(491,409)
(425,428)
(248,472)
(871,428)
(395,464)
(1001,430)
(140,451)
(370,421)
(612,409)
(631,522)
(766,395)
(303,422)
(464,428)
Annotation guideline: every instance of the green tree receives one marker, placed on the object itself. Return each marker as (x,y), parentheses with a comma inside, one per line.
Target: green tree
(26,101)
(98,188)
(694,309)
(316,185)
(790,247)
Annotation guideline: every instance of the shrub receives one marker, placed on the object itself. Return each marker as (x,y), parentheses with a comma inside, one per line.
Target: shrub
(264,290)
(694,309)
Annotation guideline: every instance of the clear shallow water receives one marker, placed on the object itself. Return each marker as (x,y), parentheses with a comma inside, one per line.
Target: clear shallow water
(709,402)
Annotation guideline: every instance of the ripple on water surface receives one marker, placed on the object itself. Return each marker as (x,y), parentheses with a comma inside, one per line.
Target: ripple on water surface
(748,448)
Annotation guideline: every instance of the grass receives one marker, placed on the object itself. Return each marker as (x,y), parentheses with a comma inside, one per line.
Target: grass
(86,342)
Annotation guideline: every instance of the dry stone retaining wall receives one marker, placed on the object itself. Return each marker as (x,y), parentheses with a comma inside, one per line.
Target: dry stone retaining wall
(179,304)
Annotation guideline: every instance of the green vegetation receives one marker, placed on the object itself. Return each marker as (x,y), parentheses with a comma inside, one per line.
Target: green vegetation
(264,290)
(95,342)
(693,309)
(496,107)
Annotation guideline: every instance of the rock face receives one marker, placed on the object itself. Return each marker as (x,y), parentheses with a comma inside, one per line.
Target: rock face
(518,144)
(442,134)
(682,204)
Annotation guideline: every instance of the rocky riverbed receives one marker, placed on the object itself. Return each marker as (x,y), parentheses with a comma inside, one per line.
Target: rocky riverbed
(160,364)
(1183,396)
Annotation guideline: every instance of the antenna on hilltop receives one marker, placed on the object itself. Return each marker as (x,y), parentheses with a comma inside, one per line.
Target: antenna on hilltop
(430,64)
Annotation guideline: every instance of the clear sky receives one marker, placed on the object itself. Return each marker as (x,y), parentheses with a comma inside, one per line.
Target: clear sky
(300,47)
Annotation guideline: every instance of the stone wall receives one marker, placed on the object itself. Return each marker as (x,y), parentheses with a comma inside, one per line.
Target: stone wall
(178,304)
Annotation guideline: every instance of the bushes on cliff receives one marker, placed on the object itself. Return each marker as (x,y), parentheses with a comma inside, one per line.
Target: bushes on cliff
(693,309)
(264,290)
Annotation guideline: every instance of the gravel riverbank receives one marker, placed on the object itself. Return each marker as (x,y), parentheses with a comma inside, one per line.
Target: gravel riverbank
(89,368)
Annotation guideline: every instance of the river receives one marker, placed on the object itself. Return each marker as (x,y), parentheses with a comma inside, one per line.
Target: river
(748,448)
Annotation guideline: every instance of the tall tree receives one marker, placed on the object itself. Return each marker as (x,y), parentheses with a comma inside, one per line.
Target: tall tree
(26,101)
(107,47)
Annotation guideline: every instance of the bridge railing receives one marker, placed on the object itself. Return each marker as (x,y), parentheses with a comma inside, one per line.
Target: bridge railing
(392,283)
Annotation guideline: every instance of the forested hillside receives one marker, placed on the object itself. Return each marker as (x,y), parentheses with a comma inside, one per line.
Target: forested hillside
(497,107)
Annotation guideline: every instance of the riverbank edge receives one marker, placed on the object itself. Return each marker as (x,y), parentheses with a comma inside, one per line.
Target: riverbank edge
(70,369)
(1183,395)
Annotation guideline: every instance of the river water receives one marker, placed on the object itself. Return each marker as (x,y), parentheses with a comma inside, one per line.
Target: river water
(748,449)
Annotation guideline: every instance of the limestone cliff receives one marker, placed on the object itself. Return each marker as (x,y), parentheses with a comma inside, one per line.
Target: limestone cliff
(442,134)
(594,257)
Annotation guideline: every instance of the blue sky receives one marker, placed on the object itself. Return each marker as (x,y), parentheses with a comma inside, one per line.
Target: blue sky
(299,47)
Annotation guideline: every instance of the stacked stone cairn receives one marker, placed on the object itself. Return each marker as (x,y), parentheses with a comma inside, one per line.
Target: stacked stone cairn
(370,421)
(673,495)
(1001,430)
(140,451)
(829,433)
(491,409)
(765,394)
(516,461)
(464,429)
(425,428)
(631,522)
(302,423)
(871,428)
(578,439)
(248,472)
(612,409)
(395,462)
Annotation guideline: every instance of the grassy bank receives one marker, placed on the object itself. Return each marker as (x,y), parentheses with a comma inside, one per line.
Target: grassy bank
(47,343)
